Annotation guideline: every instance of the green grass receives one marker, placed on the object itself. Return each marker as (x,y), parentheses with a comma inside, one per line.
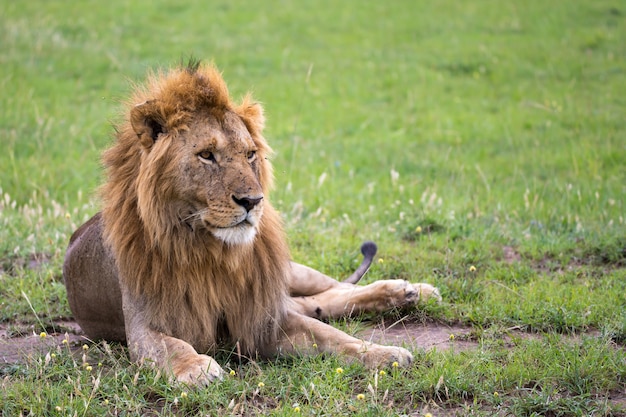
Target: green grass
(496,128)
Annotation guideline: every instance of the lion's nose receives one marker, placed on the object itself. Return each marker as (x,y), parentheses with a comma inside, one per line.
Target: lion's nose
(248,202)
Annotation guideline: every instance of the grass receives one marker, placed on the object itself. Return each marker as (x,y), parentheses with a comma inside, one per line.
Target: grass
(480,145)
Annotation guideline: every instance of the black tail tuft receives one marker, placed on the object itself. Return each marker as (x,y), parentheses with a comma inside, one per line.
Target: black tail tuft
(368,249)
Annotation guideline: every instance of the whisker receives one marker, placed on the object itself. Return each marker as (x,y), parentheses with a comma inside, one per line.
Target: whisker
(196,216)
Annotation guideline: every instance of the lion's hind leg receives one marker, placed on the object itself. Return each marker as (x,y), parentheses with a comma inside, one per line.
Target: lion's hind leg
(348,300)
(91,279)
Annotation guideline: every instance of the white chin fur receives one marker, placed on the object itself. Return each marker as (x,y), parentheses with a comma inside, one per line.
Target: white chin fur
(237,235)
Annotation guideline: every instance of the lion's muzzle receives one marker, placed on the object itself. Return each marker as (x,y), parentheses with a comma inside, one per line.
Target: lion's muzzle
(248,203)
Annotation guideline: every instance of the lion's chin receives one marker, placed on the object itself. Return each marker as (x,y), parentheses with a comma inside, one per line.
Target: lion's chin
(242,234)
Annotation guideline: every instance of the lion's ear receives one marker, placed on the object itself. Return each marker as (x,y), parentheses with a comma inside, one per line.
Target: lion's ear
(145,122)
(252,114)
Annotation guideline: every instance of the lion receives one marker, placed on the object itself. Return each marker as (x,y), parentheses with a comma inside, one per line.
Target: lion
(188,255)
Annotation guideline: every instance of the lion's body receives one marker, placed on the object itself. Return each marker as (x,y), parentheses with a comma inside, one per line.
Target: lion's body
(188,254)
(159,255)
(191,310)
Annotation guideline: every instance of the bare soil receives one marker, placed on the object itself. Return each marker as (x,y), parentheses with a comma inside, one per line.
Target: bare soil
(15,349)
(18,348)
(419,336)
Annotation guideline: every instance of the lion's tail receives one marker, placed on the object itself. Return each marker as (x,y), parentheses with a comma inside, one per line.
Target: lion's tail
(368,249)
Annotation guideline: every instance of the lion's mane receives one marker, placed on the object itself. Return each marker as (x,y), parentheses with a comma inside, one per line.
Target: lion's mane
(195,286)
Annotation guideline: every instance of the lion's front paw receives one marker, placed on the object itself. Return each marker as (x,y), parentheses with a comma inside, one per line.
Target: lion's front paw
(200,371)
(425,292)
(375,356)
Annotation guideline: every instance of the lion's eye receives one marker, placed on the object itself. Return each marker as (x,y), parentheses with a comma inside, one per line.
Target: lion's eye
(206,156)
(251,155)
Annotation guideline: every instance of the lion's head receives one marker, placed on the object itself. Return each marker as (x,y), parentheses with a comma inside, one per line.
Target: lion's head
(202,154)
(186,208)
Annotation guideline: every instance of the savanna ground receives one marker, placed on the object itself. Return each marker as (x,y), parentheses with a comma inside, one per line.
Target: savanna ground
(481,144)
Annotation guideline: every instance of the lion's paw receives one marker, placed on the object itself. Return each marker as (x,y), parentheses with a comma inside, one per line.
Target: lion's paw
(375,356)
(399,292)
(201,371)
(425,292)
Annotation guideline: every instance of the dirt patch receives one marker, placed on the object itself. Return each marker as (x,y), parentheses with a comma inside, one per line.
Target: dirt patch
(511,255)
(425,336)
(419,336)
(403,332)
(21,348)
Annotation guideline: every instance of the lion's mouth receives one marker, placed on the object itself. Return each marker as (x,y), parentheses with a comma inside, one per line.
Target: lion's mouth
(245,223)
(240,234)
(239,230)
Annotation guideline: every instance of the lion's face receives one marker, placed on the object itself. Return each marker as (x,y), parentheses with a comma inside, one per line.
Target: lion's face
(218,168)
(208,175)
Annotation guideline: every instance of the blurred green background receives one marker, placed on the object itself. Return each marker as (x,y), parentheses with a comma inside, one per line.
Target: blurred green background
(481,144)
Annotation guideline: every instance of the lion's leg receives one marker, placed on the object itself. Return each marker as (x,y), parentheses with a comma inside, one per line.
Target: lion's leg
(91,280)
(318,295)
(347,300)
(307,281)
(173,355)
(306,335)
